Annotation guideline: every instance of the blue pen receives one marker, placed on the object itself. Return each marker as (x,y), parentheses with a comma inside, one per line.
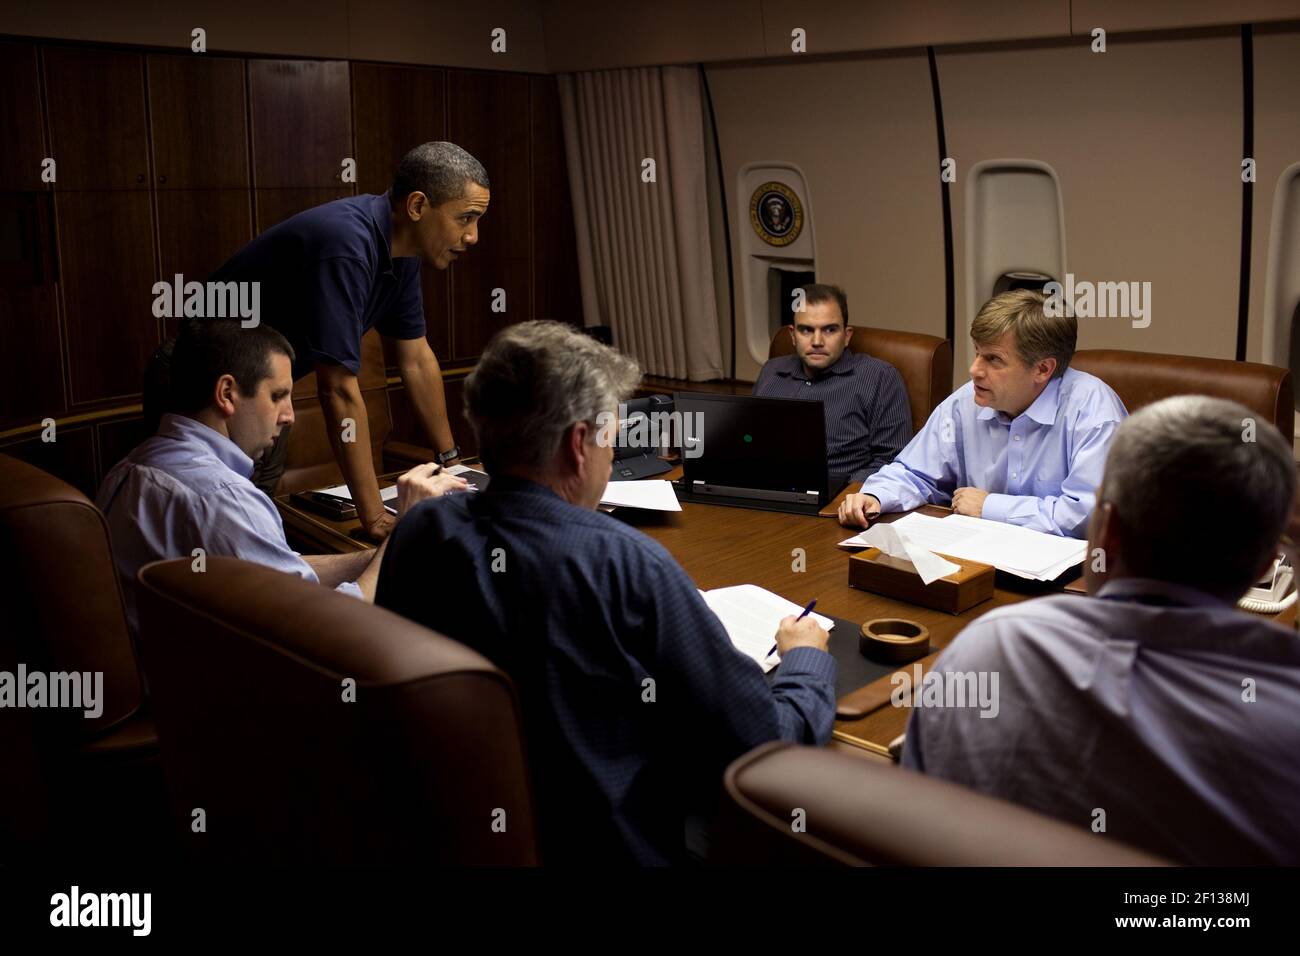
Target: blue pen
(806,611)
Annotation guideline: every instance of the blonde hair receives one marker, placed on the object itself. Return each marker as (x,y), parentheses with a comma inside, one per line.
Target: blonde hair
(1038,335)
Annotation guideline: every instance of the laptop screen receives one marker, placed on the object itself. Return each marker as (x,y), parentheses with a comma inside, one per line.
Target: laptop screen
(777,444)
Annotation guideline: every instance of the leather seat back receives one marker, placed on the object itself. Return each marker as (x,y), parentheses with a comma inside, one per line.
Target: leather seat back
(310,726)
(924,361)
(859,812)
(61,596)
(1140,378)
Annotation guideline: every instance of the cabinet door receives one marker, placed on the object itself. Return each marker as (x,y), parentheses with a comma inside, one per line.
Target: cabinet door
(395,108)
(199,122)
(106,248)
(487,114)
(31,366)
(98,135)
(198,230)
(20,118)
(277,205)
(302,123)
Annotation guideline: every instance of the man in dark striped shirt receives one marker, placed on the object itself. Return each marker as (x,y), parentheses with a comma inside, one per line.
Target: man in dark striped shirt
(868,418)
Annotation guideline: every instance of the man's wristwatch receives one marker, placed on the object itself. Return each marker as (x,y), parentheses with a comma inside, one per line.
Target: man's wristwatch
(450,455)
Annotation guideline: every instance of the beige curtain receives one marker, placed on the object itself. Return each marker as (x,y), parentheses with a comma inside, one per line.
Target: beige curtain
(643,247)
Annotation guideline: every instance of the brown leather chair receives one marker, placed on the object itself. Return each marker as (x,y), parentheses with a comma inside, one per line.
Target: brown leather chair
(924,361)
(1140,378)
(69,776)
(247,666)
(862,813)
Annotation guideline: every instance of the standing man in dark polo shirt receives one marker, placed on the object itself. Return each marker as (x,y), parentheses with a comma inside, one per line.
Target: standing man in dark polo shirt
(330,274)
(868,418)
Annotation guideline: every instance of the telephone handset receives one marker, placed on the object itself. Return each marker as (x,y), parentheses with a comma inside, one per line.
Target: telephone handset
(1272,594)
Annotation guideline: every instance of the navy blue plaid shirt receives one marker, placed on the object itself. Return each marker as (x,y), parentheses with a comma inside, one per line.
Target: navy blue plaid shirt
(582,611)
(868,418)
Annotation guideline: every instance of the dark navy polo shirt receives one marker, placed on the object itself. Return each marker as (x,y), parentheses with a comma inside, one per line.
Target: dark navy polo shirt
(327,277)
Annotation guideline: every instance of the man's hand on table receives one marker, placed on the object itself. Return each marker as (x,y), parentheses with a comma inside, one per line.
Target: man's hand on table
(857,510)
(969,501)
(425,481)
(794,632)
(413,486)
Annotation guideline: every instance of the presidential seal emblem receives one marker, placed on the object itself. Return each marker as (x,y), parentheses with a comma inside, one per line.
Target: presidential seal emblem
(776,214)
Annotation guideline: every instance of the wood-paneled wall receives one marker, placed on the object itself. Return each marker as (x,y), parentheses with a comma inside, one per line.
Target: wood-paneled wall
(168,163)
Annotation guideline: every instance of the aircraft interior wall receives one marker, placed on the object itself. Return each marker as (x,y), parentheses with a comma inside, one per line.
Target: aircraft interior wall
(1145,142)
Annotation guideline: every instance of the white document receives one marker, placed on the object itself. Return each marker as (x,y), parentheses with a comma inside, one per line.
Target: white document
(751,615)
(454,470)
(651,495)
(1020,551)
(892,541)
(389,494)
(341,491)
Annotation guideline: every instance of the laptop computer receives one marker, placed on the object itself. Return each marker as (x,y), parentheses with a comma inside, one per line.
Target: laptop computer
(747,452)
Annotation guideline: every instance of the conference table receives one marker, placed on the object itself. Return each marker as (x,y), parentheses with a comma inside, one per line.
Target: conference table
(794,556)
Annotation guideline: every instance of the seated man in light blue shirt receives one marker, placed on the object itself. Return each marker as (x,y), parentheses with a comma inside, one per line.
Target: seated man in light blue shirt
(1022,442)
(188,489)
(1153,711)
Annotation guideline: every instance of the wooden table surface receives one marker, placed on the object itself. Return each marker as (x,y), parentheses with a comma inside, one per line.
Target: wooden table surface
(719,547)
(794,556)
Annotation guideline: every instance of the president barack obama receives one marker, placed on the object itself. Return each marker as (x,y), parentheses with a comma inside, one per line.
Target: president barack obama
(330,274)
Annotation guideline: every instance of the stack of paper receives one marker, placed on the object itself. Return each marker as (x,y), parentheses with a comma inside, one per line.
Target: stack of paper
(751,615)
(342,491)
(1019,551)
(651,495)
(473,475)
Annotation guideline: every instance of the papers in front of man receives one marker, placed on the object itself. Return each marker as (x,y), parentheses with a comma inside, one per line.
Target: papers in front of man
(650,495)
(472,475)
(1019,551)
(342,491)
(750,615)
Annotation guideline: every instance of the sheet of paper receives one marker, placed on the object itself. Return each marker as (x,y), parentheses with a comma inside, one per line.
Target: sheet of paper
(651,495)
(341,491)
(390,493)
(892,541)
(751,615)
(1020,551)
(463,469)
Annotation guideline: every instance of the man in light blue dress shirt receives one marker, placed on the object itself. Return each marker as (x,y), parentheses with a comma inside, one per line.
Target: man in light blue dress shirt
(1022,442)
(189,489)
(1154,712)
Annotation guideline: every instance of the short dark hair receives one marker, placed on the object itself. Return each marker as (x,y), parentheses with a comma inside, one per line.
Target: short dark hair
(439,170)
(818,292)
(207,349)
